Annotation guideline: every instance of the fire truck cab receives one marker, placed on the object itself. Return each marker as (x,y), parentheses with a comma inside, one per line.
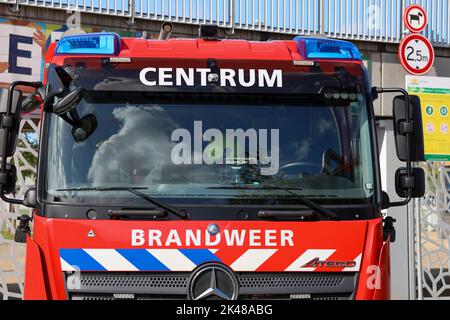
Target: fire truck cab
(207,169)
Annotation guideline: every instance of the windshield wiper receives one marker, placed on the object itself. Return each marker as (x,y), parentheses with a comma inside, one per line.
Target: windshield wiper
(248,187)
(305,201)
(301,199)
(168,207)
(156,213)
(285,214)
(133,190)
(102,188)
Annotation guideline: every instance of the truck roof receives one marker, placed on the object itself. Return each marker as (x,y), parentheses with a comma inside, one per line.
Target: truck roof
(227,49)
(203,49)
(200,49)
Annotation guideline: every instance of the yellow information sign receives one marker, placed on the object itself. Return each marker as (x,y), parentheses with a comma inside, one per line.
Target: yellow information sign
(434,94)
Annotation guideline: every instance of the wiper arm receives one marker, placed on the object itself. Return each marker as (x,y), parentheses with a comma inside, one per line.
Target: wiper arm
(133,190)
(157,213)
(285,214)
(248,187)
(305,201)
(310,204)
(101,189)
(168,207)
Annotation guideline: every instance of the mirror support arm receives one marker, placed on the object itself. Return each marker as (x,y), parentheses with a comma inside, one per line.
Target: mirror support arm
(408,134)
(11,89)
(9,200)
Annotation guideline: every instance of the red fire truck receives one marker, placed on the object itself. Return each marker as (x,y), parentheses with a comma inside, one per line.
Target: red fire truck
(207,169)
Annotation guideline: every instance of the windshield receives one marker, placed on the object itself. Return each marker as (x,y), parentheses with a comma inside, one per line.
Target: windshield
(188,148)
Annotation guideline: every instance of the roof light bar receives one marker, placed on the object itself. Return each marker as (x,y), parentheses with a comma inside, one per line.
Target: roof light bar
(321,48)
(89,43)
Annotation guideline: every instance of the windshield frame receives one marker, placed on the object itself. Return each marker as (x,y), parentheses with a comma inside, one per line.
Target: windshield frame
(371,207)
(341,74)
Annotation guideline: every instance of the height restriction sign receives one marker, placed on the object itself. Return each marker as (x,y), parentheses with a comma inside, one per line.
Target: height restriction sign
(416,54)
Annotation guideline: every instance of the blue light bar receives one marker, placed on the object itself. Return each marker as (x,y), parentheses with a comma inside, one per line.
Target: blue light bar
(90,43)
(320,48)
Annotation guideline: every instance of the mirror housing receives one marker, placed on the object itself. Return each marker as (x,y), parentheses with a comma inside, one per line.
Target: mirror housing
(416,182)
(10,123)
(68,102)
(10,107)
(385,201)
(84,127)
(31,103)
(30,198)
(54,86)
(409,143)
(8,179)
(402,127)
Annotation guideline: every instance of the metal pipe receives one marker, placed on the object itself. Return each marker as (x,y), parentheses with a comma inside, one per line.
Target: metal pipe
(418,241)
(166,30)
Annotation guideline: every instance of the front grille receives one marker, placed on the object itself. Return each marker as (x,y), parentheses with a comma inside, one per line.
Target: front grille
(132,283)
(293,283)
(173,285)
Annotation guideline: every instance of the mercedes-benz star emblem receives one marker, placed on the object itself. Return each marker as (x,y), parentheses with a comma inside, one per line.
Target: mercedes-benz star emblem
(213,229)
(213,281)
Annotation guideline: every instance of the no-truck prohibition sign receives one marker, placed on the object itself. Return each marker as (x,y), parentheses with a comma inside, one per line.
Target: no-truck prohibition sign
(416,54)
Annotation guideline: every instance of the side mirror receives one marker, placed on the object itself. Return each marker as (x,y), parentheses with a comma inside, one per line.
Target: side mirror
(54,87)
(385,200)
(416,182)
(8,179)
(9,124)
(68,102)
(30,198)
(408,130)
(402,127)
(10,107)
(84,127)
(32,101)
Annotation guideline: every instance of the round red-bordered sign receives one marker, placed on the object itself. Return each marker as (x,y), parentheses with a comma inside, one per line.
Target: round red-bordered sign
(416,54)
(415,18)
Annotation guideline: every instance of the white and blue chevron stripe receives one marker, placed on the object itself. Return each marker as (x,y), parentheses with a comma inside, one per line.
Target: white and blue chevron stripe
(134,259)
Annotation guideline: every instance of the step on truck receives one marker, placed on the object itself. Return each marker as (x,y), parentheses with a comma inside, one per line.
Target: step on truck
(207,168)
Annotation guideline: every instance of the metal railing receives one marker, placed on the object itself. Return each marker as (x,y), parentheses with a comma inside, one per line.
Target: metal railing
(370,20)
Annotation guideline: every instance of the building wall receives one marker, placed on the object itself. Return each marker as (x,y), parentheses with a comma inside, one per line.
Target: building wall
(24,44)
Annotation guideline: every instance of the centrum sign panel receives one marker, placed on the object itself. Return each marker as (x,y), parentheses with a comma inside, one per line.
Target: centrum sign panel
(434,93)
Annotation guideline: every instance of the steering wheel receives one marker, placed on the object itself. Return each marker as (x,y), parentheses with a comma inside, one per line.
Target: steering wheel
(300,164)
(328,156)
